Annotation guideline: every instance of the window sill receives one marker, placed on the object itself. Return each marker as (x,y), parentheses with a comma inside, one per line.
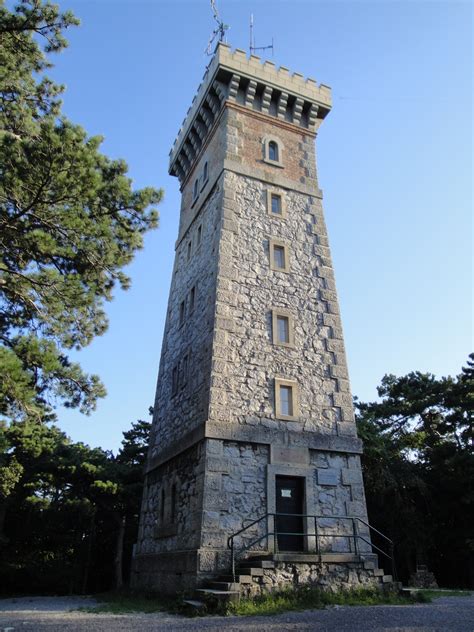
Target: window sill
(274,163)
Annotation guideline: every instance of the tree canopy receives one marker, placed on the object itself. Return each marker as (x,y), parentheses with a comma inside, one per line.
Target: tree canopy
(71,518)
(419,470)
(69,223)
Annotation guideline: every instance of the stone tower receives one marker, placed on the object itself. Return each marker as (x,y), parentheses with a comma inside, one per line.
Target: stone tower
(253,409)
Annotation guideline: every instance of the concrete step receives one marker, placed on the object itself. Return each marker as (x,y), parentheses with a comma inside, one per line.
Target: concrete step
(228,586)
(257,564)
(229,595)
(341,558)
(239,579)
(194,603)
(254,572)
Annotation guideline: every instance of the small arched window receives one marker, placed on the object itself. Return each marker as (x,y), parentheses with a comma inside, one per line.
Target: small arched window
(196,188)
(205,173)
(273,151)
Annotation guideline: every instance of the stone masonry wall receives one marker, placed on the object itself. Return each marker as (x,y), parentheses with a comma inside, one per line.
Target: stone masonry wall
(248,290)
(333,577)
(187,345)
(234,495)
(243,392)
(162,526)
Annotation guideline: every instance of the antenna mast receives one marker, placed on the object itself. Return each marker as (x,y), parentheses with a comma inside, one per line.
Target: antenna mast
(252,47)
(220,29)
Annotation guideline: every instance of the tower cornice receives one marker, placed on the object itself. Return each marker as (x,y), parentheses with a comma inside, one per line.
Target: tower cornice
(232,77)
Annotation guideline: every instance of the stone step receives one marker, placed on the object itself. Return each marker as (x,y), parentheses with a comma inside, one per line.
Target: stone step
(341,558)
(229,595)
(257,564)
(194,603)
(251,570)
(239,579)
(386,579)
(228,586)
(379,572)
(370,566)
(316,558)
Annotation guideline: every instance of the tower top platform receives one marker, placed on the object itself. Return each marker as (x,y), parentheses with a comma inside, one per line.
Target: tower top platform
(259,86)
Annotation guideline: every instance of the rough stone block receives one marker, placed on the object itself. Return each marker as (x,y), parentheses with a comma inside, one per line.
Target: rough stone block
(351,477)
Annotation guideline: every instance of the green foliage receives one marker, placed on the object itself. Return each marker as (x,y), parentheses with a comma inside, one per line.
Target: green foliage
(308,597)
(69,223)
(64,506)
(419,470)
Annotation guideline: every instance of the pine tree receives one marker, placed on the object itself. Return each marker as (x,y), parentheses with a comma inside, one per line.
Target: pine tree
(69,223)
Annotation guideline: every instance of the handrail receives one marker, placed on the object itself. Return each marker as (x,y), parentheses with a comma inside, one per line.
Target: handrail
(355,536)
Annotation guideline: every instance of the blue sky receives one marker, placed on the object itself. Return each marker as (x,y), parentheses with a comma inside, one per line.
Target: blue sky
(394,161)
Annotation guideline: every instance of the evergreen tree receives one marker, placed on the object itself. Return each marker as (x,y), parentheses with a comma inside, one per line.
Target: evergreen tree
(419,470)
(72,513)
(69,222)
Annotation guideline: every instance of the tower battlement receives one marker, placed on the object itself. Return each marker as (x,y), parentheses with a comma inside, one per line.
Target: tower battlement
(262,87)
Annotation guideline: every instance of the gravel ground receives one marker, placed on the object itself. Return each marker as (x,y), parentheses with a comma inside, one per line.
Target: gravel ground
(52,614)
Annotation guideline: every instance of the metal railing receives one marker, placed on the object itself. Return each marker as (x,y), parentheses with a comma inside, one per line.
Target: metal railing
(314,537)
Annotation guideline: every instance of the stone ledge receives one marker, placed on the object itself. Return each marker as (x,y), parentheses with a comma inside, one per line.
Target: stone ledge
(254,434)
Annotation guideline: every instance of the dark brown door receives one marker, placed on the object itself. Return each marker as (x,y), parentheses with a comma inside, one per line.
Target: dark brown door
(289,500)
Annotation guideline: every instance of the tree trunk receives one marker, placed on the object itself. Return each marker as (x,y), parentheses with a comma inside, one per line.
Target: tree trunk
(90,539)
(3,512)
(118,561)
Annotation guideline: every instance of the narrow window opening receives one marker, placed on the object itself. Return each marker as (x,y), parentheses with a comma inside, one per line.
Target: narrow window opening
(205,172)
(162,507)
(184,371)
(276,204)
(192,299)
(173,503)
(286,400)
(273,151)
(174,381)
(283,329)
(182,312)
(196,189)
(199,235)
(190,250)
(279,257)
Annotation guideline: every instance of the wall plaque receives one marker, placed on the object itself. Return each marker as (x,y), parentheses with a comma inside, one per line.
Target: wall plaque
(328,476)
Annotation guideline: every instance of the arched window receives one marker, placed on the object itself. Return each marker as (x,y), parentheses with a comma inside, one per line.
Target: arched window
(273,151)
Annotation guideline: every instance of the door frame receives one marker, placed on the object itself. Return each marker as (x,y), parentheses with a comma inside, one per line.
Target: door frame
(309,500)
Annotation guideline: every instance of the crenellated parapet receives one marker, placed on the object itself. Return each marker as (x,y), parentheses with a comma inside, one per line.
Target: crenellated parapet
(232,77)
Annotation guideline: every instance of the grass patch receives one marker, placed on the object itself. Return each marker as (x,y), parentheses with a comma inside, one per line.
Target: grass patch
(127,602)
(306,598)
(303,598)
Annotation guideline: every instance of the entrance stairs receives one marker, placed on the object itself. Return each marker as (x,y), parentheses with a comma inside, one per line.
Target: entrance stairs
(255,574)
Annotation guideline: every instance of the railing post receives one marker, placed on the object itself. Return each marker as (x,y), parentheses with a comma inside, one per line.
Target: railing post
(275,533)
(316,543)
(354,532)
(232,556)
(392,557)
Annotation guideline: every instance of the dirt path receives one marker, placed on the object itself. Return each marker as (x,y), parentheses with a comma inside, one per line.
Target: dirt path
(52,614)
